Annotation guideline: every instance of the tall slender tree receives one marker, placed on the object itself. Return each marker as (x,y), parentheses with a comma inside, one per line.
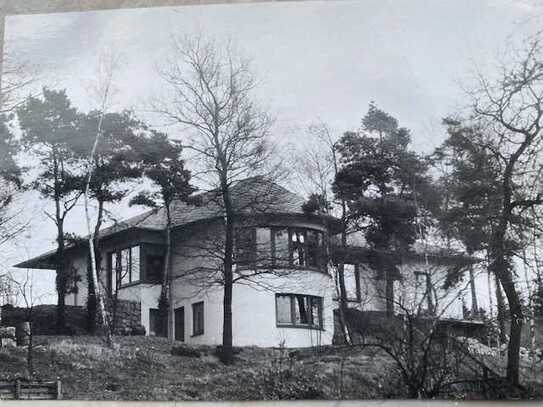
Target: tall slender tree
(386,187)
(10,182)
(49,126)
(113,166)
(317,165)
(471,181)
(212,90)
(509,107)
(161,161)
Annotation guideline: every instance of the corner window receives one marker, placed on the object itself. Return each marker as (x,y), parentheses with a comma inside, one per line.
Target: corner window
(297,310)
(198,318)
(123,267)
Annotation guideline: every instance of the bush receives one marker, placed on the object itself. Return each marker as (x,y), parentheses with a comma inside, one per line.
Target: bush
(138,331)
(183,350)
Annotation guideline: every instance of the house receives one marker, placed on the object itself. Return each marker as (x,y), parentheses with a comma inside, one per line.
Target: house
(285,289)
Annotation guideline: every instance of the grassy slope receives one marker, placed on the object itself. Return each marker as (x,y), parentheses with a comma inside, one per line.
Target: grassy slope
(143,368)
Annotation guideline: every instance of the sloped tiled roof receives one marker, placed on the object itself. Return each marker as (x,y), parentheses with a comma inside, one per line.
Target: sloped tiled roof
(251,195)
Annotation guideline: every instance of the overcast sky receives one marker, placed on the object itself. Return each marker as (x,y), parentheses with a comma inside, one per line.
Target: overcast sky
(315,60)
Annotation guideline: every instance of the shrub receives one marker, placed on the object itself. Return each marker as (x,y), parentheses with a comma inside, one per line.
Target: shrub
(183,350)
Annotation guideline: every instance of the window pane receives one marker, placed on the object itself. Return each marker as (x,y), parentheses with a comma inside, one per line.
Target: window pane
(314,249)
(301,310)
(263,246)
(298,248)
(316,307)
(135,266)
(283,309)
(245,245)
(154,268)
(349,276)
(281,247)
(125,266)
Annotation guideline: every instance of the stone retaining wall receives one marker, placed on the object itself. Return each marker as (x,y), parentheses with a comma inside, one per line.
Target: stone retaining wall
(127,318)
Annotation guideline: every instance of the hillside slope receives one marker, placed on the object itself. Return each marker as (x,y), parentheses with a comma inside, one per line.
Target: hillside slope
(142,368)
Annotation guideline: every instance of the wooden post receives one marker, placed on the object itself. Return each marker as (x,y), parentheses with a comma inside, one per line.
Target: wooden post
(17,389)
(59,390)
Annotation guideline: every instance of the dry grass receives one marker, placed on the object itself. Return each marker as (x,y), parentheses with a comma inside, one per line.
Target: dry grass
(142,368)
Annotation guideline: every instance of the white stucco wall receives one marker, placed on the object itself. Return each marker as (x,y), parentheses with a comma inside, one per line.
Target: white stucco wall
(254,313)
(407,291)
(253,306)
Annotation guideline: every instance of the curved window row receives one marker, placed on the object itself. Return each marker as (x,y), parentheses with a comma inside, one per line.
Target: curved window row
(280,247)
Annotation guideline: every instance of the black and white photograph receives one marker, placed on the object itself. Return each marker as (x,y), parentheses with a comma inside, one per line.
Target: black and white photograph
(272,200)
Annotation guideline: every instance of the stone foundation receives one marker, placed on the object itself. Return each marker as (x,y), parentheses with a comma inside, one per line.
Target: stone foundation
(127,319)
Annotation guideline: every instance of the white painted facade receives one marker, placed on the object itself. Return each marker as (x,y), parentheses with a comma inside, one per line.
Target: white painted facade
(253,306)
(409,292)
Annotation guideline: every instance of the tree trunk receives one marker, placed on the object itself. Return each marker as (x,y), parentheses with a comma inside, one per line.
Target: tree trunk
(92,303)
(502,269)
(500,305)
(165,300)
(344,325)
(61,282)
(389,294)
(94,265)
(227,351)
(474,305)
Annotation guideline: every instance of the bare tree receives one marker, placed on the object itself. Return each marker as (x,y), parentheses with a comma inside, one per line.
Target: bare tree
(510,108)
(24,290)
(430,359)
(108,67)
(212,100)
(317,165)
(17,76)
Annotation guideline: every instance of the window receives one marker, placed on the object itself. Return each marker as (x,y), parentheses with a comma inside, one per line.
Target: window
(154,267)
(263,246)
(351,276)
(198,318)
(423,285)
(280,247)
(245,245)
(297,248)
(281,255)
(297,310)
(123,267)
(314,248)
(155,324)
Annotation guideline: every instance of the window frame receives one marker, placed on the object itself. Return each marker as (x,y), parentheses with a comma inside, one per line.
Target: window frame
(427,284)
(143,272)
(293,324)
(111,268)
(251,260)
(198,332)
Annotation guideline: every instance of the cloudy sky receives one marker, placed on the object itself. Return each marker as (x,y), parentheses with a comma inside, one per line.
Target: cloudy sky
(315,60)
